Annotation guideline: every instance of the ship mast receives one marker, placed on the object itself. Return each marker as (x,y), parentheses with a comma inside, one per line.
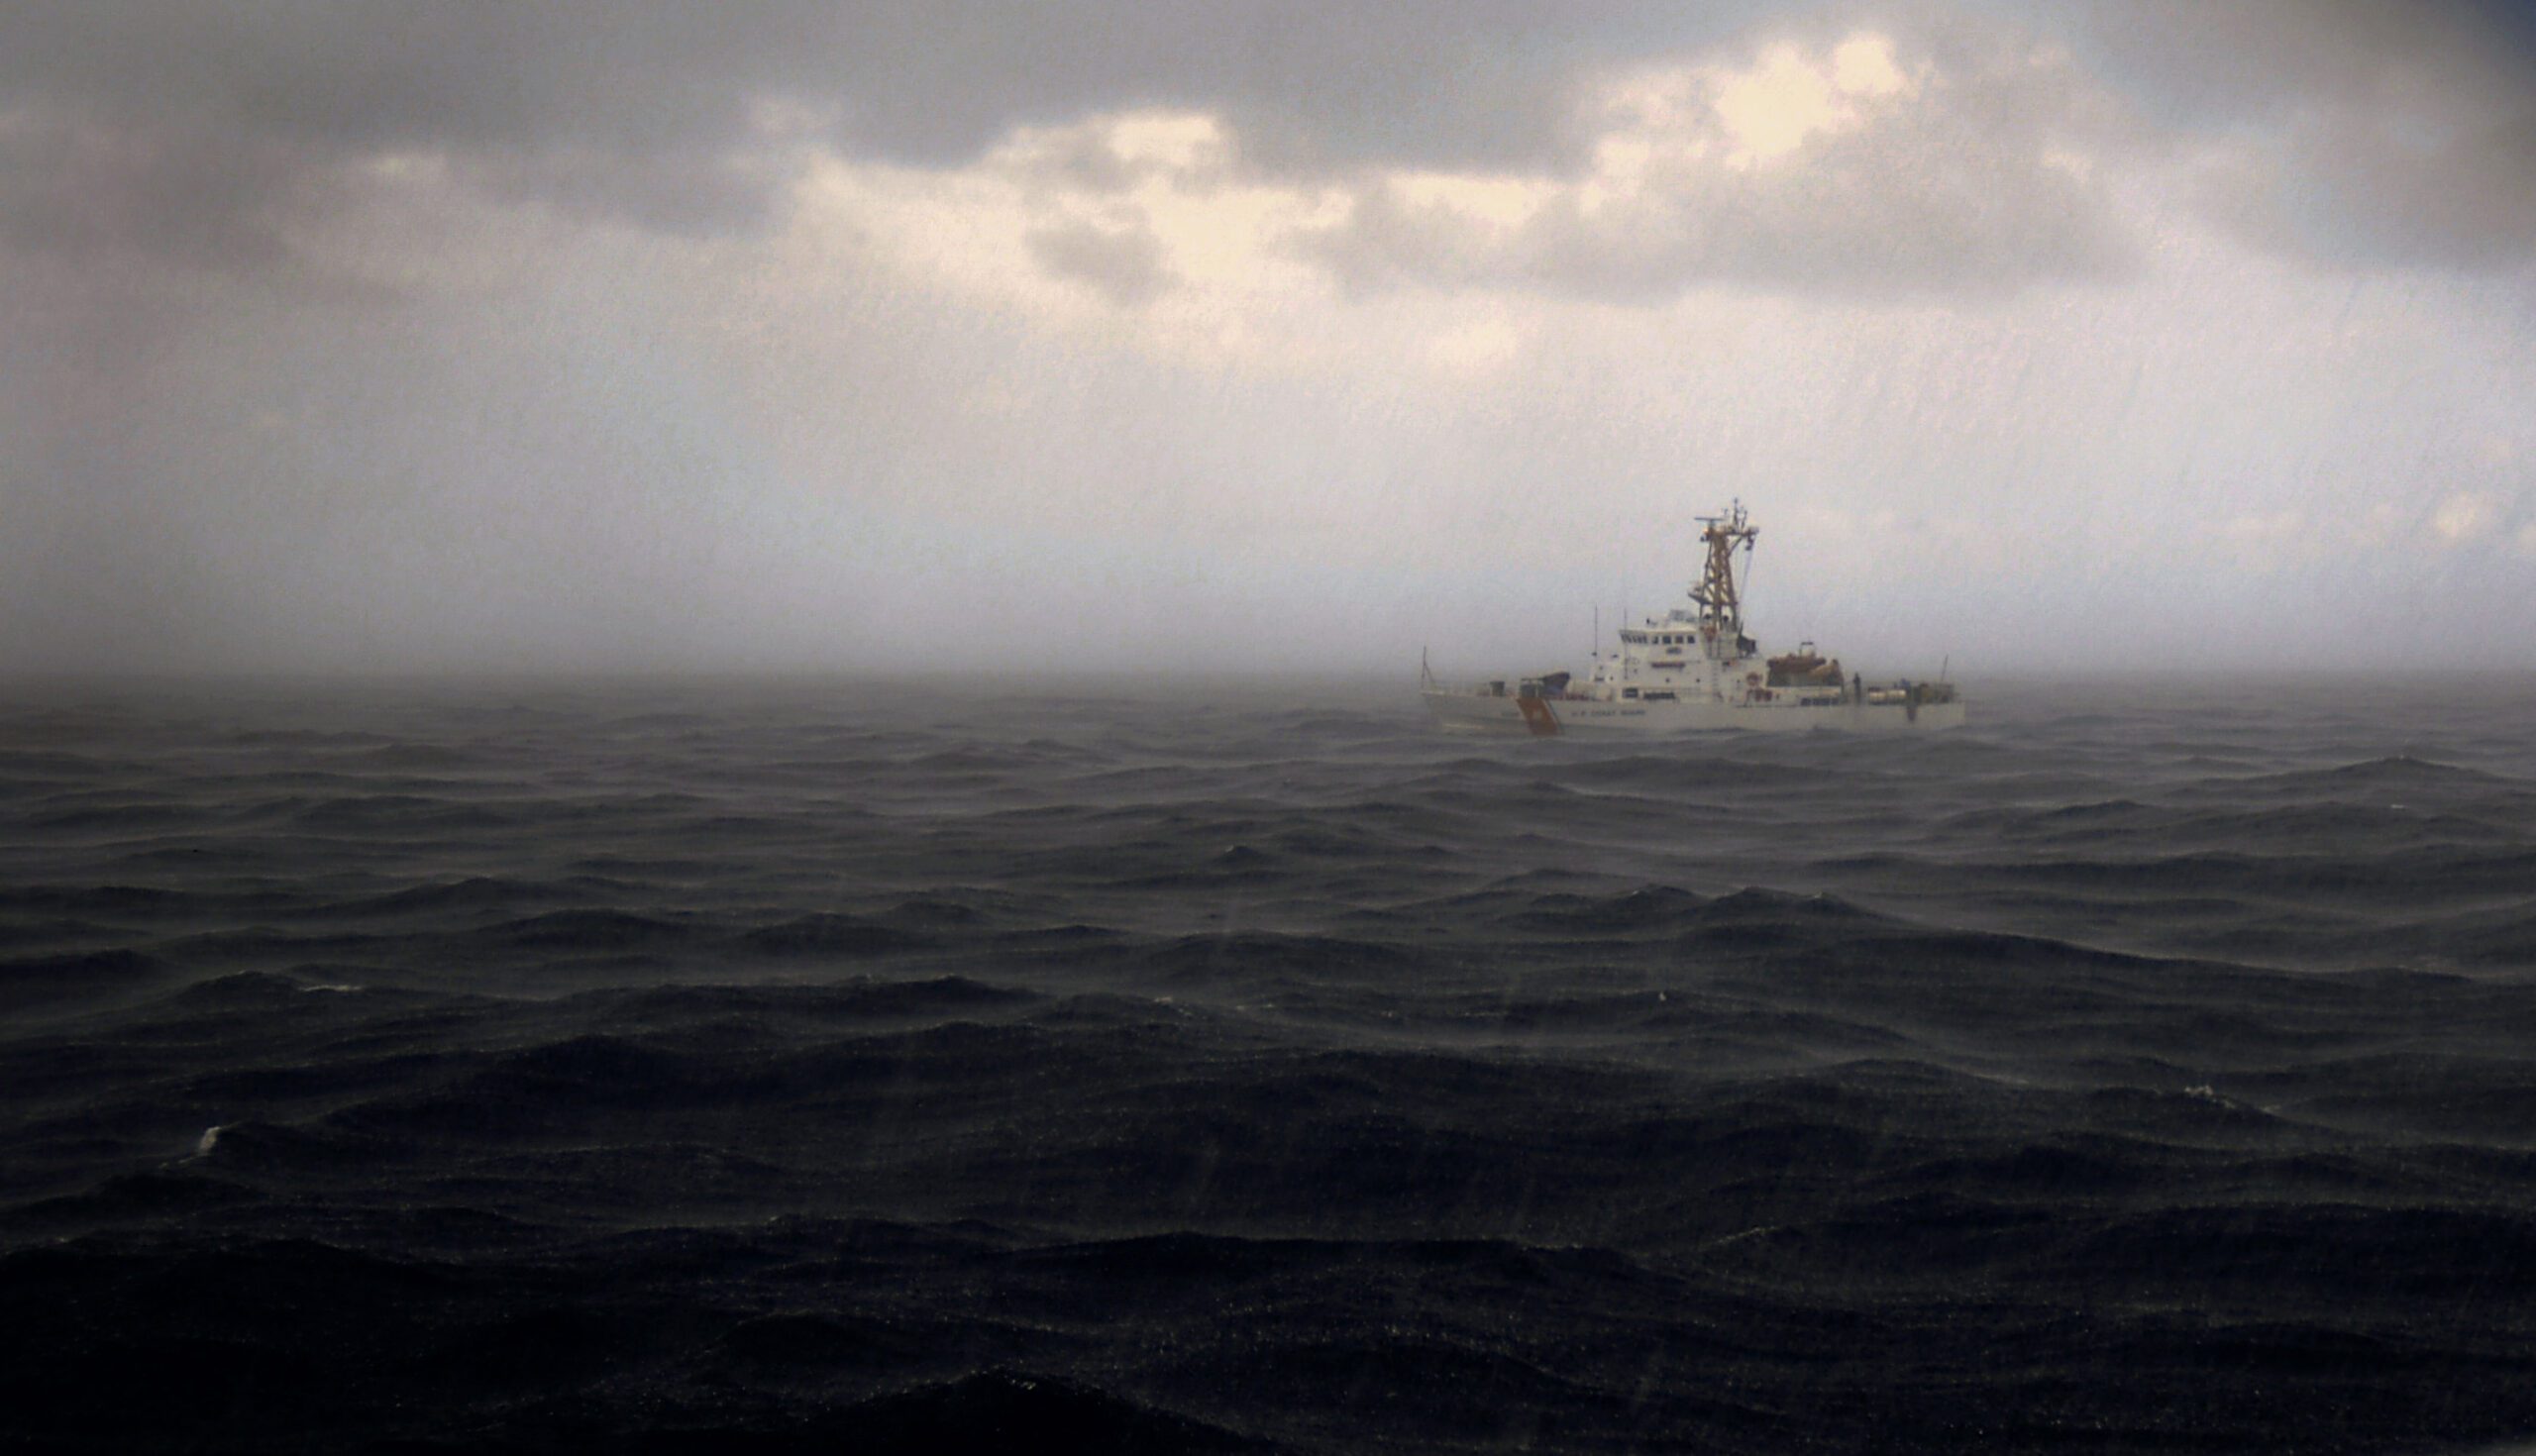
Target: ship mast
(1720,605)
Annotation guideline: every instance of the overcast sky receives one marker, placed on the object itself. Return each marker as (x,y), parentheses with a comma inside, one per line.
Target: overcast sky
(1220,334)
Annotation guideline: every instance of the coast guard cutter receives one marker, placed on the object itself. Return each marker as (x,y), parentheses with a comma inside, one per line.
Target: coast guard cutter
(1695,669)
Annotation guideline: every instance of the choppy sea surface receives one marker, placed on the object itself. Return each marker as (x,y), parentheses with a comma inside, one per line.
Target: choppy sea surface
(766,1066)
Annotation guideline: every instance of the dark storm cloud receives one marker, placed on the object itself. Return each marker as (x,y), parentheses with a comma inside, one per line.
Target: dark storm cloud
(682,192)
(2409,131)
(248,109)
(2221,63)
(579,98)
(204,129)
(409,73)
(95,186)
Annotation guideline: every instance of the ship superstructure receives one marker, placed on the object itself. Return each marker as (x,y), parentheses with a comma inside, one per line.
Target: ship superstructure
(1697,668)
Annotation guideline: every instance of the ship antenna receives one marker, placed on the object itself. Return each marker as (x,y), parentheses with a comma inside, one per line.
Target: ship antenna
(1721,603)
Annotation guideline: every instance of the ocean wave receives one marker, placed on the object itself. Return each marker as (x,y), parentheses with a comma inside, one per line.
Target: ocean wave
(859,998)
(564,932)
(1249,954)
(473,896)
(570,1069)
(997,1409)
(831,936)
(28,981)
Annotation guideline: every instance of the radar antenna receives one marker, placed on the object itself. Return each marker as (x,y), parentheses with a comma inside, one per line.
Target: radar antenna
(1720,604)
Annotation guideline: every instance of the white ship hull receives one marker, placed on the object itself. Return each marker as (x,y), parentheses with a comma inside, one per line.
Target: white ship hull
(1470,712)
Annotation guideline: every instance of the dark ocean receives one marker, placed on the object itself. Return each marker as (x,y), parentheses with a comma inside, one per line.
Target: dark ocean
(819,1066)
